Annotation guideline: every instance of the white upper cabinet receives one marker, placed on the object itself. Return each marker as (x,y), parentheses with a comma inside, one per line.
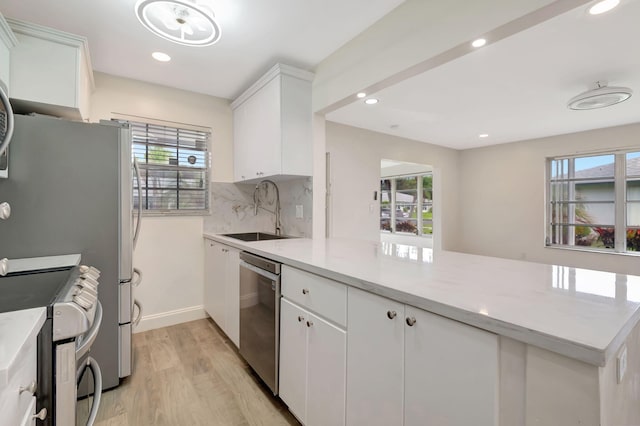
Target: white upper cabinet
(50,72)
(272,127)
(7,42)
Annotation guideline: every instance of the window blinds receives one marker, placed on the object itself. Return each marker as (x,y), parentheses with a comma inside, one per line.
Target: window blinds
(174,164)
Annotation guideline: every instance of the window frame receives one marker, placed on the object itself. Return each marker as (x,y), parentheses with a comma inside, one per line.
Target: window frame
(420,202)
(206,132)
(620,204)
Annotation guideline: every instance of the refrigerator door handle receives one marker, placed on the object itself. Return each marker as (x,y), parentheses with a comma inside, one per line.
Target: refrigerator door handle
(134,282)
(4,143)
(136,321)
(136,167)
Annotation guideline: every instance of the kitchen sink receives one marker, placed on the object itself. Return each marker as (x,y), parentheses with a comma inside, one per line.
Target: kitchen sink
(255,236)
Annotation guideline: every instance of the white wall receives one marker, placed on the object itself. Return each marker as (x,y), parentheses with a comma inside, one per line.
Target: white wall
(502,198)
(355,175)
(170,250)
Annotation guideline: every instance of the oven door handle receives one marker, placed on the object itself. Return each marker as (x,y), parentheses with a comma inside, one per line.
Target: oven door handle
(88,339)
(92,365)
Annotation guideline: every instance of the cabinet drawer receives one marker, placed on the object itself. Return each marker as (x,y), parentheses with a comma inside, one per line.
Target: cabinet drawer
(325,297)
(13,404)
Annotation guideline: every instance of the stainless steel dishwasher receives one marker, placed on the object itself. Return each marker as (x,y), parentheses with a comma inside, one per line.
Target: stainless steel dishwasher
(260,316)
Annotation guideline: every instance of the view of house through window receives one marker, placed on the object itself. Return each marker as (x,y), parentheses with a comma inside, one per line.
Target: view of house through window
(174,164)
(594,201)
(406,198)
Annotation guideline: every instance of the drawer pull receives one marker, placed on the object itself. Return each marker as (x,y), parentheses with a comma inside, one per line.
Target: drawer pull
(391,314)
(309,323)
(411,321)
(31,388)
(305,291)
(300,318)
(42,414)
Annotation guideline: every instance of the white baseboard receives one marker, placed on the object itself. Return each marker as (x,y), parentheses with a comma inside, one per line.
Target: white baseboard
(165,319)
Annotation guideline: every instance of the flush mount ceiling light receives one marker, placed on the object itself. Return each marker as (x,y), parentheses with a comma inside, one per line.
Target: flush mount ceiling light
(603,6)
(361,95)
(186,22)
(371,101)
(479,42)
(483,135)
(600,97)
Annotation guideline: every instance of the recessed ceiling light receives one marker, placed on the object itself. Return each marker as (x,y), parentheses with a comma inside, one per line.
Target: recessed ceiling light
(186,22)
(162,57)
(483,135)
(371,101)
(603,6)
(361,95)
(479,42)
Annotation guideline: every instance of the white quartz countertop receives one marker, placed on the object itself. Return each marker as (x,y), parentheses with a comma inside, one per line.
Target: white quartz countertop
(17,328)
(580,313)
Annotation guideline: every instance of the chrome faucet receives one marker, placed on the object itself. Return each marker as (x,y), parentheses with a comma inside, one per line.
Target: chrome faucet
(256,203)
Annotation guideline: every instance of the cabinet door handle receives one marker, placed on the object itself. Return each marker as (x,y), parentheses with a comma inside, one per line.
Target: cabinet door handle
(305,291)
(391,314)
(42,414)
(309,323)
(300,318)
(31,388)
(411,321)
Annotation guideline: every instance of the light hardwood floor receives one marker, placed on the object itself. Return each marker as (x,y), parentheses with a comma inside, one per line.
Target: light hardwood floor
(190,374)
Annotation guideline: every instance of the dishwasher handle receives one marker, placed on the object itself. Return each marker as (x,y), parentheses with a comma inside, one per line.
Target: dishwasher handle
(262,272)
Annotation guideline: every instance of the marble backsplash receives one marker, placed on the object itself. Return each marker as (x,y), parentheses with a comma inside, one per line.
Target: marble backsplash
(232,208)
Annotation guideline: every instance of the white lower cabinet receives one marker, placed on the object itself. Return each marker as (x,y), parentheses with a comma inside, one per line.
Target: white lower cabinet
(222,287)
(408,366)
(312,366)
(375,360)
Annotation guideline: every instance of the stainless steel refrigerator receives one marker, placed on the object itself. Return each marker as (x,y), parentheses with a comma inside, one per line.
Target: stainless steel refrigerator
(70,189)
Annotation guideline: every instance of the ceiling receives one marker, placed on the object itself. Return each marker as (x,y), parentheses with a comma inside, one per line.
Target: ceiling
(256,34)
(516,88)
(513,89)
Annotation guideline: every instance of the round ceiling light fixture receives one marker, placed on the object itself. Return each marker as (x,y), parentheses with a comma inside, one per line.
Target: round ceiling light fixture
(599,97)
(371,101)
(479,42)
(186,22)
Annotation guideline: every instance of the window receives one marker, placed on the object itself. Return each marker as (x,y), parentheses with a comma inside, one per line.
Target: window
(174,168)
(594,202)
(406,204)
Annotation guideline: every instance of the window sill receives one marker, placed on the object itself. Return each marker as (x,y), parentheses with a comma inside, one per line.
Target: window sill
(179,213)
(594,250)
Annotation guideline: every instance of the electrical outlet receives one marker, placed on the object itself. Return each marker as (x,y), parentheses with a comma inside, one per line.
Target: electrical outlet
(299,211)
(621,363)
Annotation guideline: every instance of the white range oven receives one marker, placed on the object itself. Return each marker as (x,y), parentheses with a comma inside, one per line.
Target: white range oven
(74,315)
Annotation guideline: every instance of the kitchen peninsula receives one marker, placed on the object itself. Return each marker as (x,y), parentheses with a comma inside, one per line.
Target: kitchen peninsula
(560,343)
